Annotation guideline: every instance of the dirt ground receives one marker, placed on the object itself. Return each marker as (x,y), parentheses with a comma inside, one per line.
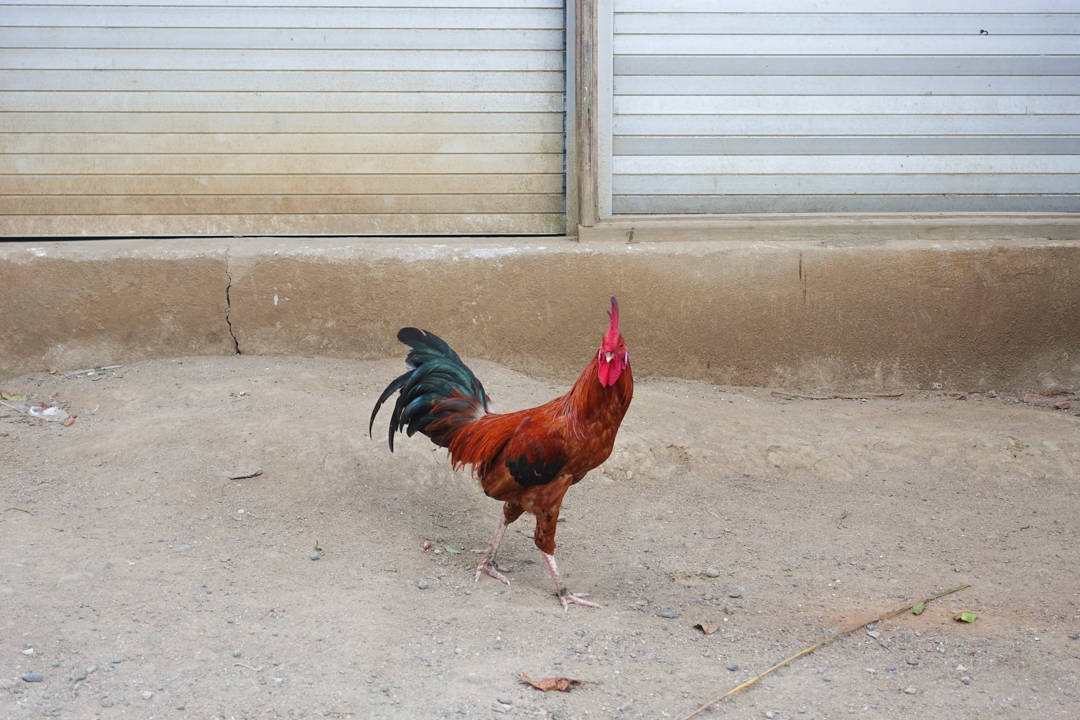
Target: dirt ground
(139,579)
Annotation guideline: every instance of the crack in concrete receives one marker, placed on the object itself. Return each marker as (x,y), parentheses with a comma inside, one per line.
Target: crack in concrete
(228,308)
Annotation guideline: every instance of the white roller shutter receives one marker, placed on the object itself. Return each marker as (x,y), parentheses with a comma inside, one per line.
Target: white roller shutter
(241,117)
(842,106)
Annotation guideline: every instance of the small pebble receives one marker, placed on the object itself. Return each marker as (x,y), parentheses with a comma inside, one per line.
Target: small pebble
(712,572)
(106,702)
(315,556)
(733,666)
(423,583)
(90,669)
(874,634)
(670,614)
(912,661)
(769,714)
(236,653)
(33,677)
(80,678)
(966,680)
(737,592)
(28,651)
(225,558)
(1075,636)
(146,695)
(911,691)
(504,701)
(728,610)
(827,678)
(384,688)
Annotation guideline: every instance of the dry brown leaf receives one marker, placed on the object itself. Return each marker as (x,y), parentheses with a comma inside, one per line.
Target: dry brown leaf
(552,683)
(707,628)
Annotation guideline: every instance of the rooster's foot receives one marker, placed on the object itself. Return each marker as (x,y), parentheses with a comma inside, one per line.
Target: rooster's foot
(491,568)
(567,599)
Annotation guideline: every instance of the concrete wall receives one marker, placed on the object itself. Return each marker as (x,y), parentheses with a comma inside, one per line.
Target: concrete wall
(782,305)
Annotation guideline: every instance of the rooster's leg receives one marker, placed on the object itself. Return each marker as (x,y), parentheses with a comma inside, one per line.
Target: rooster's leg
(566,598)
(488,564)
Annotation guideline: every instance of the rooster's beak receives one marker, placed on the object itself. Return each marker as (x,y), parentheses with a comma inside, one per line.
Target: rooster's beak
(608,356)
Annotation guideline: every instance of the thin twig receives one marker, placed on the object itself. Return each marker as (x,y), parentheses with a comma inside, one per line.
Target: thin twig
(89,371)
(835,396)
(19,509)
(239,664)
(812,648)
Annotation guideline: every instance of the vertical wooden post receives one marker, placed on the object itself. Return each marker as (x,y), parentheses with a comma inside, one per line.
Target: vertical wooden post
(585,129)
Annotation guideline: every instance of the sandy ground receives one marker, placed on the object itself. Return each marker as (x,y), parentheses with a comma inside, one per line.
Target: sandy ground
(138,580)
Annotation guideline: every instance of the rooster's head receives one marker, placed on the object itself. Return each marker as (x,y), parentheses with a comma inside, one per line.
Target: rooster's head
(613,357)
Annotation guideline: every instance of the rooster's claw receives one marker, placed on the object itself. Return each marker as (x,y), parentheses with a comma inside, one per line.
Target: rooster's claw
(567,599)
(491,569)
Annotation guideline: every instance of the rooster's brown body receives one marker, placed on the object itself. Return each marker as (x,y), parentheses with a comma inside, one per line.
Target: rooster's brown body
(528,459)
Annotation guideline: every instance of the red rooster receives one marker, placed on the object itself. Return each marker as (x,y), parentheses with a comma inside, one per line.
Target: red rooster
(528,459)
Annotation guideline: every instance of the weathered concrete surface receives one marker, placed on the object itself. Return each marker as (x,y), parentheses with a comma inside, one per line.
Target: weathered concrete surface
(70,305)
(891,310)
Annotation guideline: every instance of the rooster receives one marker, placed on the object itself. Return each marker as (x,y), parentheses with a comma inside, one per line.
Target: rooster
(527,459)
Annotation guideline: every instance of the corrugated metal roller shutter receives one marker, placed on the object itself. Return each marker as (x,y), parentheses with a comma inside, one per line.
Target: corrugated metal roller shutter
(134,117)
(845,105)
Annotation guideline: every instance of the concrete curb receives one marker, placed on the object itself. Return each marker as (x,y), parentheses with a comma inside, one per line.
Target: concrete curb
(974,313)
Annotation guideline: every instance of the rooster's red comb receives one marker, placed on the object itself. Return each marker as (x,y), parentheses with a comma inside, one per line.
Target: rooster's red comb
(612,334)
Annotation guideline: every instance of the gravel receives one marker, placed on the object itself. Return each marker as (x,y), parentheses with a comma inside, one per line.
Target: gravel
(423,583)
(669,614)
(33,677)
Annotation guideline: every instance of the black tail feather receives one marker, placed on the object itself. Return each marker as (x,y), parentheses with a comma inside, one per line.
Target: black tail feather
(438,386)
